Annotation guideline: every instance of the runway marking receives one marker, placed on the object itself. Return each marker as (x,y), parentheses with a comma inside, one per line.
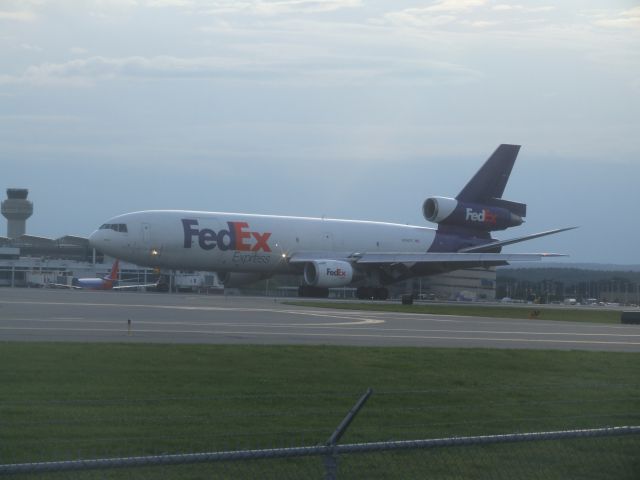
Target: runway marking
(168,307)
(404,337)
(478,320)
(363,321)
(346,325)
(345,314)
(340,314)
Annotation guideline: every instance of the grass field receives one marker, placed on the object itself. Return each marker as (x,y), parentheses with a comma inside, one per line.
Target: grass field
(63,400)
(532,312)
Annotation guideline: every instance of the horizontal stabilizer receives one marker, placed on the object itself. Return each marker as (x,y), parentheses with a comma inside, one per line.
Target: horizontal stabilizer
(502,243)
(516,208)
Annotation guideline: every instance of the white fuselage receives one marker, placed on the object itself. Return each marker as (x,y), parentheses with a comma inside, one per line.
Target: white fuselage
(191,240)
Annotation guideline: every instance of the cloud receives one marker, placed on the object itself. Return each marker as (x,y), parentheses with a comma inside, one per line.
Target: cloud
(325,70)
(84,72)
(257,7)
(31,48)
(521,8)
(441,13)
(453,6)
(626,19)
(169,3)
(470,13)
(483,24)
(17,16)
(419,18)
(305,6)
(78,50)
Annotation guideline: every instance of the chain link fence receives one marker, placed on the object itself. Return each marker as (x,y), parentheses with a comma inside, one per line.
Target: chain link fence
(560,454)
(593,453)
(206,426)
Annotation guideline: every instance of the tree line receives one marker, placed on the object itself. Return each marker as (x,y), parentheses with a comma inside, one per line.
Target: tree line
(547,285)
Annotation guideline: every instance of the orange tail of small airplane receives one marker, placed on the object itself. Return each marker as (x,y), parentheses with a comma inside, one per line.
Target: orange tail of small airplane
(113,276)
(114,270)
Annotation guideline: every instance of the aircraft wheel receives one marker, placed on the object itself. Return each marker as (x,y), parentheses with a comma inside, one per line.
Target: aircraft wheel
(313,292)
(365,293)
(381,293)
(372,293)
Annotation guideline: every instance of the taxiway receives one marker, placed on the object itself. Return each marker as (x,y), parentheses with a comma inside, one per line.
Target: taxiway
(56,315)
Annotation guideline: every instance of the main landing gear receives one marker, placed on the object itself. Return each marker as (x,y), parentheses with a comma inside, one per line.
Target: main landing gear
(372,293)
(313,292)
(362,293)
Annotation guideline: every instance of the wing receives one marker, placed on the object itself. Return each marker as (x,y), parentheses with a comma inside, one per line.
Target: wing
(63,285)
(124,287)
(391,258)
(483,258)
(433,262)
(397,266)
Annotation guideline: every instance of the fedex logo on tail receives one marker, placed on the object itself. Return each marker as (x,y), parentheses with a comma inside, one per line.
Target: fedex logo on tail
(484,216)
(237,237)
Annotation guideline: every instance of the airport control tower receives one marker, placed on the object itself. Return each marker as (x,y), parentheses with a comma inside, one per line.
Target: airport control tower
(16,208)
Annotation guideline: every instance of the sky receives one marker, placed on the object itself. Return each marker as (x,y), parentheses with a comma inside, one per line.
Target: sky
(338,108)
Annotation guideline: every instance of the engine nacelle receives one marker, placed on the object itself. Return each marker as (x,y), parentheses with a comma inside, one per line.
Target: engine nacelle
(237,279)
(328,273)
(449,211)
(437,209)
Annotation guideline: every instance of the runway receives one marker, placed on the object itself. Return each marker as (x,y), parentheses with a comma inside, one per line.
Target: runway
(83,316)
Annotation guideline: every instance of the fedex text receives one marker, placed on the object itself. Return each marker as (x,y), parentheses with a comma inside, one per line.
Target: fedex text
(237,237)
(484,216)
(338,272)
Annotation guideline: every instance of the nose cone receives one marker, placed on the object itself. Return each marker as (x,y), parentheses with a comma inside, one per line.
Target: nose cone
(100,241)
(106,239)
(117,237)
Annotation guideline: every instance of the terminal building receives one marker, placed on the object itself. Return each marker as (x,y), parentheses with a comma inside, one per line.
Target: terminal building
(33,261)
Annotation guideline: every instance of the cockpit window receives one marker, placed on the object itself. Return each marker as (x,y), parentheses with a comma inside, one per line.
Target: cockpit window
(116,227)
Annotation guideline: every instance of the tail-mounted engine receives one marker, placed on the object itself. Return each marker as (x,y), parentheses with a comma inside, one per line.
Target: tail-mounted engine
(498,214)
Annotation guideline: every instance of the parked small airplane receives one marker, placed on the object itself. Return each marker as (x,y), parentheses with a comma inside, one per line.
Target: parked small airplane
(245,248)
(104,283)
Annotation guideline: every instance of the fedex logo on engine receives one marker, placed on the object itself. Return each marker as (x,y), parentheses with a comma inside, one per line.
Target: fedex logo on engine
(237,237)
(484,216)
(338,272)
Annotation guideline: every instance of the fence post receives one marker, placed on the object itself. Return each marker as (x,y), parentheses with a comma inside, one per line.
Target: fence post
(331,461)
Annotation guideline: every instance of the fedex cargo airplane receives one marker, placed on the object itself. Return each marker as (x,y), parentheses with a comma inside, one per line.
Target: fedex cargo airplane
(244,248)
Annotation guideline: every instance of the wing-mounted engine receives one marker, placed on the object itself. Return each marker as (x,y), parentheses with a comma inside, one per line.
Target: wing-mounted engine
(328,273)
(495,214)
